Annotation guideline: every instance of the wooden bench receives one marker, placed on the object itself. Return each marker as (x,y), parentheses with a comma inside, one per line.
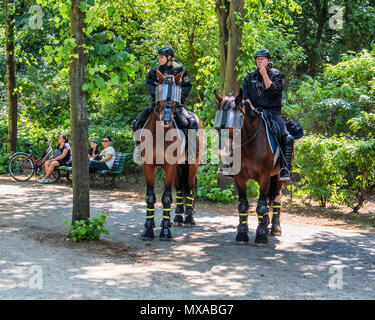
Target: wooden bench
(117,169)
(63,171)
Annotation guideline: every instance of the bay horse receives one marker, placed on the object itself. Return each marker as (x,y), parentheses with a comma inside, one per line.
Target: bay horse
(257,163)
(166,150)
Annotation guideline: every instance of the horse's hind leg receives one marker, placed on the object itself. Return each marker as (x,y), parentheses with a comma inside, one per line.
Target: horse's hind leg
(261,238)
(275,201)
(170,173)
(242,236)
(190,195)
(179,210)
(148,232)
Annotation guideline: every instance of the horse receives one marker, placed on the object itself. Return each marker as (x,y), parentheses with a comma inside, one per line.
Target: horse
(166,150)
(257,163)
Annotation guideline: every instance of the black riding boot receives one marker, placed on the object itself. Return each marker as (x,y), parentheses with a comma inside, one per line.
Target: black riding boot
(181,117)
(140,122)
(286,161)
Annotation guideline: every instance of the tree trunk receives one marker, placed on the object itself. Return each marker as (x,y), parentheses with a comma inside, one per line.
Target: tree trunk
(11,77)
(234,26)
(230,43)
(222,12)
(78,114)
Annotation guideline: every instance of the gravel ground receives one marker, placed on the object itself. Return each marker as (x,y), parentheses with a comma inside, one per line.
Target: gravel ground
(38,262)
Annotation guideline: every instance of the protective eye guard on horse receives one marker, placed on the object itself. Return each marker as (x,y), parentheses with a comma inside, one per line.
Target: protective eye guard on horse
(168,93)
(229,117)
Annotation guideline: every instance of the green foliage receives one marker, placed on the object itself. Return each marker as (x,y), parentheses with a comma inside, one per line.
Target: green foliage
(89,230)
(344,91)
(337,169)
(208,186)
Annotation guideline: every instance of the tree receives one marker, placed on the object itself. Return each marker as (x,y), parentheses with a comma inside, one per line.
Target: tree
(78,112)
(11,75)
(230,19)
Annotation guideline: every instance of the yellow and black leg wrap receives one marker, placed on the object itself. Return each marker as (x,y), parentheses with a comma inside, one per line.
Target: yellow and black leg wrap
(276,228)
(261,237)
(190,204)
(243,228)
(189,212)
(179,203)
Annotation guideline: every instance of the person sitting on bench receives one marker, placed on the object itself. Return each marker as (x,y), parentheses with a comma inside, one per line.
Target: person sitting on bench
(64,159)
(108,157)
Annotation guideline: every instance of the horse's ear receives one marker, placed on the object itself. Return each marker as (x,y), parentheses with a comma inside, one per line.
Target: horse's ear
(239,97)
(159,76)
(218,97)
(178,77)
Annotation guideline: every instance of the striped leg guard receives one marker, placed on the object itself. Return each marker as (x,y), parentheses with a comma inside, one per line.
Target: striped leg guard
(148,232)
(179,210)
(276,228)
(243,228)
(165,233)
(189,220)
(263,221)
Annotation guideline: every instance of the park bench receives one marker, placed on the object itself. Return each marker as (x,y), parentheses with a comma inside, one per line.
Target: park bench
(117,169)
(63,172)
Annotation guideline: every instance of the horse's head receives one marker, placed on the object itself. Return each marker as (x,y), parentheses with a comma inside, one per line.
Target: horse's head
(168,94)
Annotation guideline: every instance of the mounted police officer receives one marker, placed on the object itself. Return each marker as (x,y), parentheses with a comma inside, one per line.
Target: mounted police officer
(262,89)
(168,67)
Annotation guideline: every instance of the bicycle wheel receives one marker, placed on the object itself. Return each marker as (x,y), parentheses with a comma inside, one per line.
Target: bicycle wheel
(21,167)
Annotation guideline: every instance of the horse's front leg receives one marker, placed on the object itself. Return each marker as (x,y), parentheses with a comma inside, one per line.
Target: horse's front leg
(170,173)
(148,232)
(261,238)
(275,202)
(243,208)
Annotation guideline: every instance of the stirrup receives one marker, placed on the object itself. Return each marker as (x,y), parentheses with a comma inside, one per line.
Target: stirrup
(284,174)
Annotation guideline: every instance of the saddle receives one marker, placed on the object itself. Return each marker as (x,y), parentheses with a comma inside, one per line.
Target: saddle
(273,135)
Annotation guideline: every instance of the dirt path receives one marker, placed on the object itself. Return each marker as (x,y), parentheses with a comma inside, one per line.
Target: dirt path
(37,262)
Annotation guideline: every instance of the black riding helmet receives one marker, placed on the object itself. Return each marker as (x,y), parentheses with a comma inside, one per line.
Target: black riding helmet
(263,53)
(166,51)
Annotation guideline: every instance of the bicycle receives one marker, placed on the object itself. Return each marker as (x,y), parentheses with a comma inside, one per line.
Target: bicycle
(22,166)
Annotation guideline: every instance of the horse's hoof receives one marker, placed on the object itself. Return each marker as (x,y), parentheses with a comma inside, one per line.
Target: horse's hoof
(178,220)
(242,238)
(241,243)
(276,230)
(189,221)
(148,234)
(261,238)
(261,244)
(165,234)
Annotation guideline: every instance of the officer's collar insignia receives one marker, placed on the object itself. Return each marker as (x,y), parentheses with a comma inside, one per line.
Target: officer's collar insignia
(186,79)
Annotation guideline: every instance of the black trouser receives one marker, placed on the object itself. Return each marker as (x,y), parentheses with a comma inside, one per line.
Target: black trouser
(287,141)
(275,116)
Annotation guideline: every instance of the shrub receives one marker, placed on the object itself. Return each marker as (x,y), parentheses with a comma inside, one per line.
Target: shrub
(90,229)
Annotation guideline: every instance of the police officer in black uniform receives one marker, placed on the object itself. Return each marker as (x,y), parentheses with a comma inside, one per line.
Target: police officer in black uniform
(262,89)
(168,67)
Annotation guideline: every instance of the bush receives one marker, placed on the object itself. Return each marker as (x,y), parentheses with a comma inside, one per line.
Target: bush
(89,230)
(336,169)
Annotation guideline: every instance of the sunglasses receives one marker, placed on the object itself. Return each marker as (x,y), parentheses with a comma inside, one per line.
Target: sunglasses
(105,140)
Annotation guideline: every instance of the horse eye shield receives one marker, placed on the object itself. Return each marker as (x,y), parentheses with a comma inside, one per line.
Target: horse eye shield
(168,93)
(228,119)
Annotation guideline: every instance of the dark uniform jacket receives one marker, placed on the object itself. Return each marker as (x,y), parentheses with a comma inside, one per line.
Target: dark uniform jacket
(151,81)
(254,89)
